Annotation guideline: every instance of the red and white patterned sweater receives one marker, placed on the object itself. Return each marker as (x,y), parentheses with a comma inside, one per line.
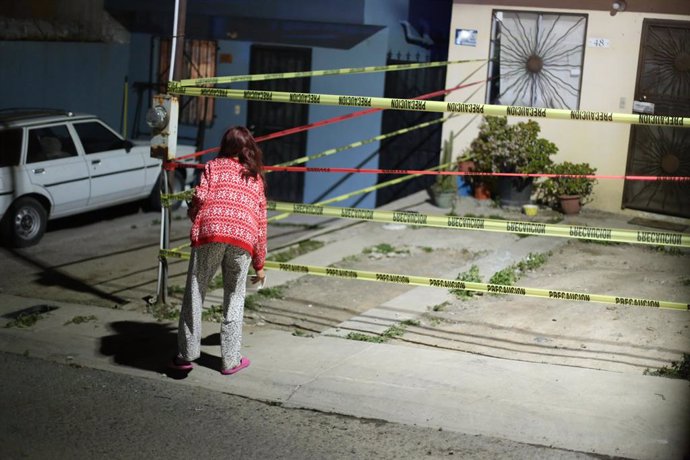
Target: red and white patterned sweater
(227,208)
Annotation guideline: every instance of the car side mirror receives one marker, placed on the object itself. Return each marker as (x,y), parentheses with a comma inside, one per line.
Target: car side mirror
(127,144)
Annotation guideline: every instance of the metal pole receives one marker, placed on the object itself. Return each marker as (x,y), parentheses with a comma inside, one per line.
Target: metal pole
(168,176)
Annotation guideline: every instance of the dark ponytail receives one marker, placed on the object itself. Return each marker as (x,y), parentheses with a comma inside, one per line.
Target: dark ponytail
(239,142)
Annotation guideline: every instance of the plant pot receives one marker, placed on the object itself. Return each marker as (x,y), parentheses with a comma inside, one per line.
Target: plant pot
(570,204)
(514,191)
(482,192)
(444,198)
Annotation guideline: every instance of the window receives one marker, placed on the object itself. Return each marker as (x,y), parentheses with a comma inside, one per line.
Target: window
(50,143)
(10,147)
(97,138)
(199,61)
(536,59)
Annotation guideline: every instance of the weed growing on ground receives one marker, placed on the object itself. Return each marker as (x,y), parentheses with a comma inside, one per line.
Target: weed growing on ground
(81,319)
(427,249)
(471,275)
(440,306)
(506,277)
(511,274)
(302,333)
(677,369)
(396,330)
(216,283)
(385,249)
(253,302)
(686,282)
(175,289)
(670,250)
(302,247)
(27,320)
(163,312)
(213,314)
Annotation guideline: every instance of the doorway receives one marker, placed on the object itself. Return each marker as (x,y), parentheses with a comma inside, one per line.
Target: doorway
(268,117)
(662,88)
(418,149)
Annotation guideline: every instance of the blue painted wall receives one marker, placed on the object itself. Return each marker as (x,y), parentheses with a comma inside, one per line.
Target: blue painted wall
(89,77)
(81,77)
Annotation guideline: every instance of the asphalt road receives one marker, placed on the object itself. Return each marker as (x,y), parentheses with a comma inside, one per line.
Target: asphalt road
(59,411)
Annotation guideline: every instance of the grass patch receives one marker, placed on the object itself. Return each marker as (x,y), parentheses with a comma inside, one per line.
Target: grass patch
(440,306)
(81,319)
(385,249)
(396,330)
(302,333)
(275,292)
(163,312)
(251,303)
(295,251)
(686,282)
(471,275)
(509,275)
(427,249)
(213,314)
(670,250)
(175,289)
(677,369)
(216,283)
(25,320)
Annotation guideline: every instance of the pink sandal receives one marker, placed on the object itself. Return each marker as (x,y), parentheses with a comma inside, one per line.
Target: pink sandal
(244,362)
(180,364)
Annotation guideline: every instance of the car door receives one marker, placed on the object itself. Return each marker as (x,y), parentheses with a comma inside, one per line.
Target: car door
(54,165)
(117,173)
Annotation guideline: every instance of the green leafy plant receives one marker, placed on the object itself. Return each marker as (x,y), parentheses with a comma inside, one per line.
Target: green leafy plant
(81,319)
(446,182)
(471,275)
(677,369)
(551,189)
(500,147)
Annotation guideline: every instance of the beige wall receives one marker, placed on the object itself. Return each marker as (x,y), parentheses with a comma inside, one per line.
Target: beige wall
(608,84)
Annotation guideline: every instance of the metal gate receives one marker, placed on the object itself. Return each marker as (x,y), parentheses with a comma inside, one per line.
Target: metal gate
(269,117)
(663,88)
(418,149)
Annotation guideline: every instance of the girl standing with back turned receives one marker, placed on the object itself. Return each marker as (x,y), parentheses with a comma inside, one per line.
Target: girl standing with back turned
(228,211)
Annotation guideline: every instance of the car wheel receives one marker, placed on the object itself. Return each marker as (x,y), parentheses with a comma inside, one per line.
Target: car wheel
(154,201)
(26,223)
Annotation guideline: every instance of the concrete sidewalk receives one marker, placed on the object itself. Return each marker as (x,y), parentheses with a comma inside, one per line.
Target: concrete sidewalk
(584,410)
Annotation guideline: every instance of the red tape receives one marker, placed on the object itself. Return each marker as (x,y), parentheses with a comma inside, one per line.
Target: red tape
(337,119)
(473,173)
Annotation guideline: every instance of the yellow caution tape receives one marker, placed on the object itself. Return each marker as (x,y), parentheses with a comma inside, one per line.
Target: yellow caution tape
(472,286)
(320,73)
(429,106)
(457,284)
(489,225)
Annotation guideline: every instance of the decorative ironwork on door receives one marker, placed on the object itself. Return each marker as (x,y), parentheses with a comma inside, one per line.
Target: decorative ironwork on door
(663,88)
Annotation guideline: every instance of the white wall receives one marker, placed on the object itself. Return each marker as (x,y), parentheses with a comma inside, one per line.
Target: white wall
(608,84)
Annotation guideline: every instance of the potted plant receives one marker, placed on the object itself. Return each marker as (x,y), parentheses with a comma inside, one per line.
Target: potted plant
(503,148)
(445,188)
(567,193)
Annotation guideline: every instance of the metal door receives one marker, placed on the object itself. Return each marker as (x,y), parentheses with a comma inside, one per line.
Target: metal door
(269,117)
(663,88)
(418,149)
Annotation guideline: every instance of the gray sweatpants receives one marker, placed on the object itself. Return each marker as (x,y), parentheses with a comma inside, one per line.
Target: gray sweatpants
(203,264)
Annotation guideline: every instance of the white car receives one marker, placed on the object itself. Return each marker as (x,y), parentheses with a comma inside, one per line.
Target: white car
(55,164)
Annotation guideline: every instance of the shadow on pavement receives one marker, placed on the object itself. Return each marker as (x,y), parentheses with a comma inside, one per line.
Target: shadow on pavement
(148,346)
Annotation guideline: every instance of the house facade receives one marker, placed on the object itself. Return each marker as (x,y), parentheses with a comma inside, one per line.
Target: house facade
(598,55)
